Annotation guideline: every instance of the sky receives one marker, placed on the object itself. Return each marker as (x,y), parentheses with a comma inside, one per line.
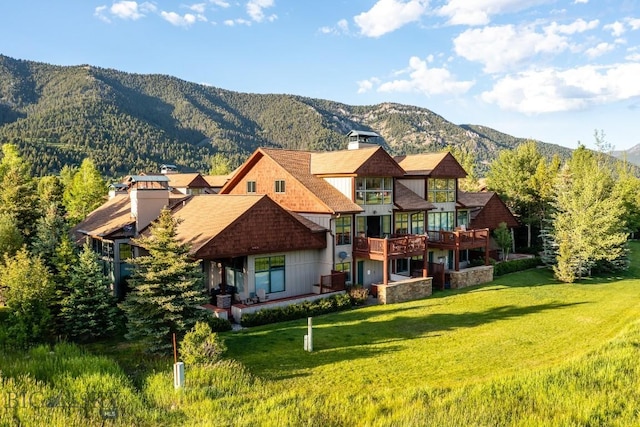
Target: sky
(551,70)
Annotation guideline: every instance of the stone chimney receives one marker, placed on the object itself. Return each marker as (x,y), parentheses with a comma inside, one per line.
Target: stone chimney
(359,139)
(148,194)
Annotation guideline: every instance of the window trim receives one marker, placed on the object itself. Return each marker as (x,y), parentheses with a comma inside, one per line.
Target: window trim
(344,230)
(251,187)
(270,270)
(279,186)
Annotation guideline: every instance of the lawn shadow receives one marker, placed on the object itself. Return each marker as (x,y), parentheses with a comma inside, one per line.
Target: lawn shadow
(357,334)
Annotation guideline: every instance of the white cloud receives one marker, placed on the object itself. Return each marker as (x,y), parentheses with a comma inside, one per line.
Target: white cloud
(367,85)
(479,12)
(581,1)
(599,49)
(616,28)
(549,90)
(341,27)
(577,26)
(255,9)
(220,3)
(125,10)
(198,7)
(506,47)
(177,20)
(234,22)
(634,23)
(421,79)
(388,15)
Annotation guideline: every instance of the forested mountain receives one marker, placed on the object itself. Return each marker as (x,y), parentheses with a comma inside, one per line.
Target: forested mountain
(632,155)
(58,115)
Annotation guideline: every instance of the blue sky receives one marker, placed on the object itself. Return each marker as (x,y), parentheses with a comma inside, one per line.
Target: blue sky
(553,70)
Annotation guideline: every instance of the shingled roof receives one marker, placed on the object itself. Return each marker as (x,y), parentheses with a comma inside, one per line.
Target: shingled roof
(437,165)
(487,209)
(407,200)
(371,161)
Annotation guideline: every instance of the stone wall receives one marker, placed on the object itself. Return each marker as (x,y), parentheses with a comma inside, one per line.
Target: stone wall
(471,276)
(405,290)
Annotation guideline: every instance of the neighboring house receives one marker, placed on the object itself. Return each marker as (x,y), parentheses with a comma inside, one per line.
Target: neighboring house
(189,183)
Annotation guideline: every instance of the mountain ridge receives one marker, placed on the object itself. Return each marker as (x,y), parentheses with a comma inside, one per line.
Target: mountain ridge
(127,122)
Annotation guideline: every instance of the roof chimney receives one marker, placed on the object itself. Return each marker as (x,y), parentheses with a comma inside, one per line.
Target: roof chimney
(359,139)
(148,194)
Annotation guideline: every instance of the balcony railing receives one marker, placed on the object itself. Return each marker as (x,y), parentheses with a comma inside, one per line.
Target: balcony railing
(391,247)
(459,239)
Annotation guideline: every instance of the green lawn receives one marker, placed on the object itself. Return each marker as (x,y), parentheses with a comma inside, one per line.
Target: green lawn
(522,351)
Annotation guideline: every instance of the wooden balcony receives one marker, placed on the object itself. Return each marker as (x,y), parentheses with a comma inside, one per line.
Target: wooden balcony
(390,248)
(469,239)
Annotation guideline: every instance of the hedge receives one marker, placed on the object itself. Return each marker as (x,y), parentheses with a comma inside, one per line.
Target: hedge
(506,267)
(297,311)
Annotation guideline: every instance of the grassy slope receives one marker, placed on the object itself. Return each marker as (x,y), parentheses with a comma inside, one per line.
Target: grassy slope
(522,350)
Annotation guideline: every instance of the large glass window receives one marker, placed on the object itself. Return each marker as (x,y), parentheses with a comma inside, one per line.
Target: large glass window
(343,230)
(402,223)
(270,273)
(234,272)
(441,190)
(463,219)
(441,221)
(417,223)
(374,191)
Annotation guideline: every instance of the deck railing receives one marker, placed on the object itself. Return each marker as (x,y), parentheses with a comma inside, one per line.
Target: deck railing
(408,245)
(334,282)
(470,238)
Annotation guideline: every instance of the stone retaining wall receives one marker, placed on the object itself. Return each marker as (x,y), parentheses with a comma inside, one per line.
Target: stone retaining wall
(471,276)
(405,290)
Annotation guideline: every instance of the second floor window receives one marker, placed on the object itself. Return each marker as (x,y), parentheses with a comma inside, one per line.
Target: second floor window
(279,186)
(251,186)
(441,190)
(343,230)
(374,191)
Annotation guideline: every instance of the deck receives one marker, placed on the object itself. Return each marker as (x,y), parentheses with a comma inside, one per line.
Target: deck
(391,247)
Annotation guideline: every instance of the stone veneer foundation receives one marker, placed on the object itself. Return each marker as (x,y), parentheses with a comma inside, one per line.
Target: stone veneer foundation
(405,290)
(471,276)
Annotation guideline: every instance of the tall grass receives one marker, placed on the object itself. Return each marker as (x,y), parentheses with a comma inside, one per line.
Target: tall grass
(520,351)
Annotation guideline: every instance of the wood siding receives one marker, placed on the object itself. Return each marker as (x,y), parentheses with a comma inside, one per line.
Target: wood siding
(448,168)
(381,164)
(416,185)
(343,185)
(492,214)
(296,196)
(266,228)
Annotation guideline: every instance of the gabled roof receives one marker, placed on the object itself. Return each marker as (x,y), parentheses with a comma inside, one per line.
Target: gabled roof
(435,165)
(234,225)
(407,200)
(487,209)
(217,181)
(370,161)
(298,165)
(187,180)
(112,216)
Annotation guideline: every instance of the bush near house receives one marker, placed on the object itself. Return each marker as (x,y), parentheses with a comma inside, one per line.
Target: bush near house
(506,267)
(297,311)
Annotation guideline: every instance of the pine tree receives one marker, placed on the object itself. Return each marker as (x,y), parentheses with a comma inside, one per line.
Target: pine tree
(10,237)
(89,311)
(51,229)
(17,191)
(166,288)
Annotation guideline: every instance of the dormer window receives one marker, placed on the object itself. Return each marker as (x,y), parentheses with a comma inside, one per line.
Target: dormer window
(374,191)
(279,186)
(441,190)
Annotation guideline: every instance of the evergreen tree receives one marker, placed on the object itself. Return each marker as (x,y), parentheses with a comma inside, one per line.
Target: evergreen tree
(50,231)
(86,192)
(27,290)
(10,237)
(588,225)
(50,191)
(17,191)
(166,288)
(89,311)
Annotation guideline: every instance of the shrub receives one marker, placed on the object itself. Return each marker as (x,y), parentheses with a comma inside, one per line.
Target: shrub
(219,325)
(358,295)
(506,267)
(201,346)
(297,311)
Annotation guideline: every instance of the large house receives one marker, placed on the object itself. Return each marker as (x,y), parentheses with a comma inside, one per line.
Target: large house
(287,220)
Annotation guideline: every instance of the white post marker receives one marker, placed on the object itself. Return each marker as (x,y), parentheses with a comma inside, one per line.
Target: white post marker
(309,334)
(178,375)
